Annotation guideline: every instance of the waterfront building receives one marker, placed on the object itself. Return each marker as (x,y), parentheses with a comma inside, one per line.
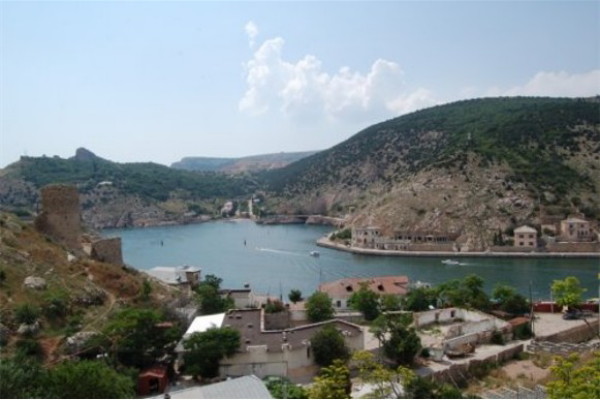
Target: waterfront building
(525,236)
(575,230)
(341,290)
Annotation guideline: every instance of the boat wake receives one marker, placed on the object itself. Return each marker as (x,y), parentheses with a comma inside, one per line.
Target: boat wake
(279,251)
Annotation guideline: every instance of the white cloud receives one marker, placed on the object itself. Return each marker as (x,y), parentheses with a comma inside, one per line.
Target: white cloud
(252,31)
(555,84)
(303,89)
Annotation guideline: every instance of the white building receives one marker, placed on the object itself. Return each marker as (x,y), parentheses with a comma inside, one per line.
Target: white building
(525,236)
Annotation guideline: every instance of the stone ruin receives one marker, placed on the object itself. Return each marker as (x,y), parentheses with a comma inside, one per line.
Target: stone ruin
(108,250)
(61,220)
(61,215)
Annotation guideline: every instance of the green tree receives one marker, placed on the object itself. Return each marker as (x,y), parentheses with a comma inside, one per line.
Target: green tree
(135,337)
(467,293)
(567,292)
(508,300)
(390,302)
(333,382)
(386,382)
(419,299)
(21,379)
(208,293)
(88,380)
(400,343)
(204,350)
(295,296)
(366,301)
(573,382)
(319,307)
(283,388)
(328,344)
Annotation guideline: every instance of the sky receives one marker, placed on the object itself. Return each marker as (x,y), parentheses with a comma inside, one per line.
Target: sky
(158,80)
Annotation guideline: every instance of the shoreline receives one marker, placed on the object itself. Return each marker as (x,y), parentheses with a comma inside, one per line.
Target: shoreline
(325,242)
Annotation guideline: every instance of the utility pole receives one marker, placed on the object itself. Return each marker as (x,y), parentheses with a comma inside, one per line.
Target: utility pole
(531,315)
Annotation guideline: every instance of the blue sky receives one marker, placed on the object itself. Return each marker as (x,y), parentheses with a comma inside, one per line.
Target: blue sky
(157,81)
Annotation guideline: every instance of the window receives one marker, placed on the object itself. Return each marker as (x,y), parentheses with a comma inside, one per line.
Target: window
(531,243)
(520,243)
(338,304)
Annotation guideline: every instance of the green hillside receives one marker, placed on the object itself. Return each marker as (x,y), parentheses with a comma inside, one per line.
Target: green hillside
(536,137)
(150,181)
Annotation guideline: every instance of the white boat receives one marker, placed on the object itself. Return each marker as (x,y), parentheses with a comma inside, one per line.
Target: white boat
(314,253)
(450,262)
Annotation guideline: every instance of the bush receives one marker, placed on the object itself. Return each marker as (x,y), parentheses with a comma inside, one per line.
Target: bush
(27,314)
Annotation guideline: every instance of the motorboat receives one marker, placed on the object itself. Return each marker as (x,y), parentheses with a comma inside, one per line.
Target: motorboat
(450,262)
(314,253)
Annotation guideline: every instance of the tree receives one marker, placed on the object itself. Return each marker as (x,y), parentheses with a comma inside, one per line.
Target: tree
(135,337)
(400,343)
(283,388)
(572,382)
(419,299)
(508,300)
(295,296)
(386,382)
(319,307)
(467,293)
(211,301)
(390,302)
(204,350)
(567,292)
(332,383)
(328,344)
(88,380)
(22,379)
(366,301)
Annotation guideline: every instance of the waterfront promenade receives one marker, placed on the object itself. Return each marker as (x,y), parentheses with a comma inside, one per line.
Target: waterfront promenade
(325,242)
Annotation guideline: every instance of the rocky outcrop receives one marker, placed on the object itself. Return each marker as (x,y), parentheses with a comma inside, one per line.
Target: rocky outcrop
(34,282)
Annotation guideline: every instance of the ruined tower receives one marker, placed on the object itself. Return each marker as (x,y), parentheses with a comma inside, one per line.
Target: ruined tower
(61,214)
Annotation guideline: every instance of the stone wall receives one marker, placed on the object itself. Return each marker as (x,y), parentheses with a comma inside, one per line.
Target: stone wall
(60,217)
(108,250)
(581,247)
(577,334)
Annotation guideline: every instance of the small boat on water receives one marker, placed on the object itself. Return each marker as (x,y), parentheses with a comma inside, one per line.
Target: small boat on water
(450,262)
(314,253)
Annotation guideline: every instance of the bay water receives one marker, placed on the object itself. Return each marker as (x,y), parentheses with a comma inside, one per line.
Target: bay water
(274,259)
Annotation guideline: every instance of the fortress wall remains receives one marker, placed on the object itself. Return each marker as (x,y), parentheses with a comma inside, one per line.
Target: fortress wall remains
(61,214)
(108,250)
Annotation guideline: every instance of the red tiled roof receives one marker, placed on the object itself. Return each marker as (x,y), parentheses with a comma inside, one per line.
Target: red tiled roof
(344,288)
(518,321)
(158,372)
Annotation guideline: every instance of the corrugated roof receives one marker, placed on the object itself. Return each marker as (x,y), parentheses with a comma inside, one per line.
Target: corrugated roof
(203,322)
(245,387)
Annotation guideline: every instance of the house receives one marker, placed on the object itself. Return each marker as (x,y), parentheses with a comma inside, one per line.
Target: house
(177,276)
(341,290)
(575,230)
(244,387)
(525,236)
(152,380)
(283,352)
(365,237)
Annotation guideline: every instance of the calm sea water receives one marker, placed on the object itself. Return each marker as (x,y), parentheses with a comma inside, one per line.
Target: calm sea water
(275,259)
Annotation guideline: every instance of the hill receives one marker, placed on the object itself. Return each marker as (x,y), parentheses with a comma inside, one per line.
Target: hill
(241,164)
(121,194)
(74,293)
(504,161)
